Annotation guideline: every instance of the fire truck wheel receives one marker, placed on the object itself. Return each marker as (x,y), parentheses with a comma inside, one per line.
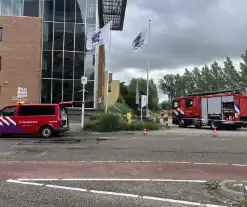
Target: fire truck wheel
(181,123)
(215,124)
(46,131)
(198,125)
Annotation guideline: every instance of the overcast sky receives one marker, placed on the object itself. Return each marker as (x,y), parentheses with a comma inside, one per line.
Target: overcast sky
(183,34)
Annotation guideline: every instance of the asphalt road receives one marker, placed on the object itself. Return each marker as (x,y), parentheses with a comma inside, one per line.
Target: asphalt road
(174,155)
(104,193)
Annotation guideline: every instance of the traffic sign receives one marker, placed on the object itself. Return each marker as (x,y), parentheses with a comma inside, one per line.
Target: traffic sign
(83,80)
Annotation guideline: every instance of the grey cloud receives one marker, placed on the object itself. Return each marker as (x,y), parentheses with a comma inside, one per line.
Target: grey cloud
(183,32)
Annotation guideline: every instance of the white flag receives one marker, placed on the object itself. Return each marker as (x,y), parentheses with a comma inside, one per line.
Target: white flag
(140,40)
(99,37)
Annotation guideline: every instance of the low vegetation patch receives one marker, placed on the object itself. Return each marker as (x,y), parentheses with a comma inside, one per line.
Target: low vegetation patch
(111,122)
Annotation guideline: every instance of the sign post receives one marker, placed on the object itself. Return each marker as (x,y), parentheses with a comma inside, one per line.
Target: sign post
(83,82)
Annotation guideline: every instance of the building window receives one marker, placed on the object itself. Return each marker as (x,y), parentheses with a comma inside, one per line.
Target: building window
(1,34)
(0,63)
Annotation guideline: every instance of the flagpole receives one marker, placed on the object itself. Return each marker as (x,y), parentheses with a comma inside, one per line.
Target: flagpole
(149,24)
(109,64)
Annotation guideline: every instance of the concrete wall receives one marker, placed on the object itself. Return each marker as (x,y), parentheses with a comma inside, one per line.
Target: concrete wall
(115,90)
(20,52)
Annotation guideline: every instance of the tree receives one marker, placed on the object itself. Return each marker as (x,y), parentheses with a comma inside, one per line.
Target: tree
(179,85)
(153,99)
(188,82)
(207,78)
(197,76)
(243,69)
(218,77)
(231,75)
(167,86)
(165,105)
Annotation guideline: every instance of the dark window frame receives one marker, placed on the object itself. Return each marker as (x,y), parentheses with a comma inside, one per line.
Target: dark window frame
(1,33)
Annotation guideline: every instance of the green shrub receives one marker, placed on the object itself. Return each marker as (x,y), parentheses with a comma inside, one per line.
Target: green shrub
(119,108)
(90,124)
(109,123)
(94,116)
(120,100)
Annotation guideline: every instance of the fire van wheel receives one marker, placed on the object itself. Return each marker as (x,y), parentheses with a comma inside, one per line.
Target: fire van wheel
(46,131)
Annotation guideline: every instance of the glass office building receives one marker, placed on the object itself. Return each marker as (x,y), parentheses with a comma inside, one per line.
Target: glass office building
(66,24)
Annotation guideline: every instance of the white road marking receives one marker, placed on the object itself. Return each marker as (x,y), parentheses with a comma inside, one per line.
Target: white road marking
(66,188)
(25,183)
(112,179)
(119,194)
(126,161)
(221,139)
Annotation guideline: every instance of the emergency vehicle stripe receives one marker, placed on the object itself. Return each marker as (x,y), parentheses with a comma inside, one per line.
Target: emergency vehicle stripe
(11,120)
(175,112)
(13,124)
(7,127)
(237,108)
(181,111)
(4,121)
(3,128)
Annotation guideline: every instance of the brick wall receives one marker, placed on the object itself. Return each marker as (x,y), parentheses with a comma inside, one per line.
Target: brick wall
(20,52)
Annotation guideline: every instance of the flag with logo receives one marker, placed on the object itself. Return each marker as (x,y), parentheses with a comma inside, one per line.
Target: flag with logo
(140,39)
(99,37)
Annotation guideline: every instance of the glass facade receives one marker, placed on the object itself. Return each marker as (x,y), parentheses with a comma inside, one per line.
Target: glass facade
(65,57)
(66,24)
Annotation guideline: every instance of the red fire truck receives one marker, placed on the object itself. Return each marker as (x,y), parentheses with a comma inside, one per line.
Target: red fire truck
(215,109)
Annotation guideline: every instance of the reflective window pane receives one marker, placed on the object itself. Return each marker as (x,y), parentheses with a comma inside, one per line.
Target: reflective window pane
(46,91)
(41,6)
(68,65)
(77,90)
(89,65)
(89,94)
(79,65)
(48,10)
(80,11)
(80,37)
(57,64)
(56,91)
(91,12)
(47,64)
(31,8)
(59,11)
(70,10)
(69,37)
(6,7)
(67,90)
(58,36)
(90,29)
(17,9)
(47,35)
